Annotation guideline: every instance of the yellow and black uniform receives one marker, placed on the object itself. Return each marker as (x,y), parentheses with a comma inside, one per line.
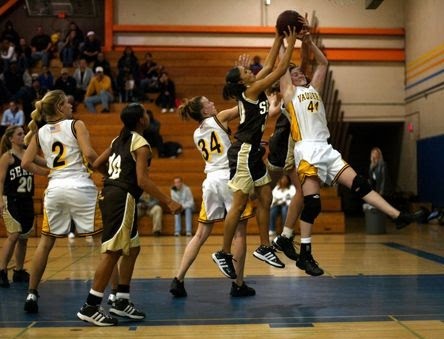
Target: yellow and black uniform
(247,168)
(120,194)
(18,213)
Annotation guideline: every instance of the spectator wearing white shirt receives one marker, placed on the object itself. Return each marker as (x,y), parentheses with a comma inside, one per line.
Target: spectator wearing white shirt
(182,194)
(282,194)
(13,116)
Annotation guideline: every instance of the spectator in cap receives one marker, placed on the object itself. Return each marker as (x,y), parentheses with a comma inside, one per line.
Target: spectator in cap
(99,92)
(91,47)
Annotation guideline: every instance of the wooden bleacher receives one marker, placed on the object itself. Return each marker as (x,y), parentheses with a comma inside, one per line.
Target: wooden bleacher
(195,73)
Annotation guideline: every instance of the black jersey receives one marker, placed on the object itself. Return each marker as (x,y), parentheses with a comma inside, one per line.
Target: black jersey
(18,181)
(278,142)
(122,165)
(253,115)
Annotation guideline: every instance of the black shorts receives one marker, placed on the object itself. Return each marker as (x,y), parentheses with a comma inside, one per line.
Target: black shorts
(278,146)
(119,216)
(21,209)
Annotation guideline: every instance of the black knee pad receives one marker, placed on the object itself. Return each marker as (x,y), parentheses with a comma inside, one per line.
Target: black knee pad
(312,208)
(360,186)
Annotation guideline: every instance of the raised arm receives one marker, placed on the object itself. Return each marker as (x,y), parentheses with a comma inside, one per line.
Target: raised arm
(321,63)
(270,60)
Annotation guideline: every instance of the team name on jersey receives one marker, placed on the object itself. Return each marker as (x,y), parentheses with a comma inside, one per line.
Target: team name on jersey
(263,107)
(308,96)
(18,172)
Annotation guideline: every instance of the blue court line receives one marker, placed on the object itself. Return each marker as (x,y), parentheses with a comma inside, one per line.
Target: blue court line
(279,301)
(419,253)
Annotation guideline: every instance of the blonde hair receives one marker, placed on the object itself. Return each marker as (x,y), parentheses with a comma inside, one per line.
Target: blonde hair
(5,143)
(49,106)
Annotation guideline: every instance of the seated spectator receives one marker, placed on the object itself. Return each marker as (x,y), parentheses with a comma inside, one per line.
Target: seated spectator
(182,194)
(13,78)
(46,79)
(27,96)
(104,63)
(83,75)
(69,48)
(256,65)
(10,33)
(128,70)
(67,84)
(7,52)
(41,46)
(13,115)
(91,47)
(282,194)
(99,92)
(149,75)
(148,205)
(24,52)
(167,93)
(152,134)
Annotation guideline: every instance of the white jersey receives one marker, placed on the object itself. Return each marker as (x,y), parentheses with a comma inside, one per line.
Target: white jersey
(212,139)
(307,115)
(62,152)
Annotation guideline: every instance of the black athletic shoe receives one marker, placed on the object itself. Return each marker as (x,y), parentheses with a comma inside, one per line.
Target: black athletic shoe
(267,254)
(177,288)
(309,265)
(286,245)
(125,308)
(96,315)
(406,218)
(4,282)
(225,263)
(20,276)
(31,305)
(241,291)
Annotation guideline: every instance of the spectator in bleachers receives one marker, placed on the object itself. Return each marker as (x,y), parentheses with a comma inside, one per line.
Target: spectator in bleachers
(41,45)
(23,52)
(149,75)
(167,93)
(7,52)
(149,206)
(127,77)
(13,115)
(10,33)
(66,83)
(79,33)
(83,75)
(99,92)
(27,96)
(91,47)
(104,63)
(256,65)
(70,48)
(46,79)
(4,93)
(182,194)
(13,78)
(152,134)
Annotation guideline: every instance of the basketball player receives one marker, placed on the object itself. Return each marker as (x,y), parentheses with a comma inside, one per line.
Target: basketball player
(16,203)
(248,172)
(125,165)
(212,139)
(315,160)
(65,144)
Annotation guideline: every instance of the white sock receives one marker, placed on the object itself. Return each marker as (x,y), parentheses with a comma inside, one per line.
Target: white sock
(97,294)
(121,295)
(287,232)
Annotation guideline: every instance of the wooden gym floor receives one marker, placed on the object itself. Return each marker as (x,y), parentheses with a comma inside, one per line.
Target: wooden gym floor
(375,286)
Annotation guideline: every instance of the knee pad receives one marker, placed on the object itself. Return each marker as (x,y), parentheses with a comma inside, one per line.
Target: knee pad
(360,186)
(312,208)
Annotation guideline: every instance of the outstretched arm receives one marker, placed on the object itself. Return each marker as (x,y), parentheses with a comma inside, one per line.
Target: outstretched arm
(270,60)
(321,63)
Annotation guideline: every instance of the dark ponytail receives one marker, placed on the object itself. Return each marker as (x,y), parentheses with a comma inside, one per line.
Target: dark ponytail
(130,116)
(233,89)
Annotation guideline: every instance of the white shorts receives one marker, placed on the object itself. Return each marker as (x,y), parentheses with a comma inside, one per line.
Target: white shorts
(217,198)
(63,204)
(318,158)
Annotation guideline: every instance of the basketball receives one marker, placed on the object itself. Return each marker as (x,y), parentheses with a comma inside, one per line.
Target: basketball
(288,18)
